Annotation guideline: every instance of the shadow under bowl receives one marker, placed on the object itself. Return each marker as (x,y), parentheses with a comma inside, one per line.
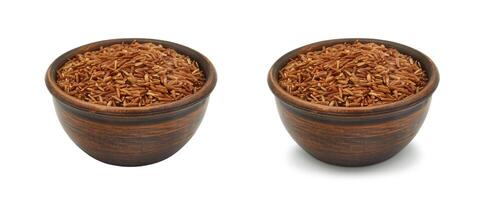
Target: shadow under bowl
(132,136)
(353,136)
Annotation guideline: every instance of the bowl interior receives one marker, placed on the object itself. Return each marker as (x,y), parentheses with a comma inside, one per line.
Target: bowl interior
(205,65)
(426,63)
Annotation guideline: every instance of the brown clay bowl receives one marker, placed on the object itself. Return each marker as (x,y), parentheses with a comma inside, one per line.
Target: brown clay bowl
(355,136)
(136,135)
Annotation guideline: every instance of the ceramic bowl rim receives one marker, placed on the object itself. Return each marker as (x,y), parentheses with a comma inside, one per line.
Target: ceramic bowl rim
(425,93)
(63,97)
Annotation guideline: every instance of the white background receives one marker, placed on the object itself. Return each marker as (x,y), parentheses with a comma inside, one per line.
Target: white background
(241,150)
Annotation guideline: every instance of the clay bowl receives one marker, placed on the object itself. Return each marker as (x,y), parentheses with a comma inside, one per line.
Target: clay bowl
(353,136)
(136,135)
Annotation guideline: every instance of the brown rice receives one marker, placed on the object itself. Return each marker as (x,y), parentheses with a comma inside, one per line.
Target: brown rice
(353,75)
(130,75)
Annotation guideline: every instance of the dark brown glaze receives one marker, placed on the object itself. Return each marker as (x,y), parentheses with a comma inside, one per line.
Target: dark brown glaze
(131,136)
(353,136)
